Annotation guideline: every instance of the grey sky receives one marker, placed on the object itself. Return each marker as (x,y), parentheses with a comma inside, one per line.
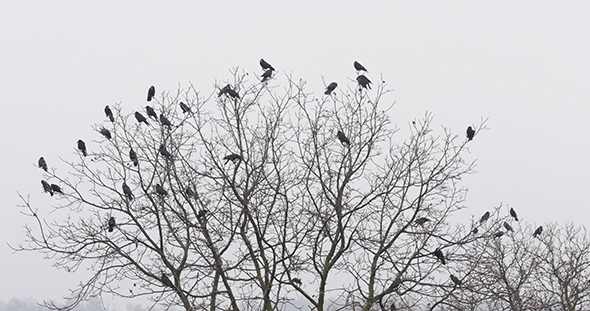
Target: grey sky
(524,65)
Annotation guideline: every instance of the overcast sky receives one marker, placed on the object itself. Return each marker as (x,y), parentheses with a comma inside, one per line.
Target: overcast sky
(524,65)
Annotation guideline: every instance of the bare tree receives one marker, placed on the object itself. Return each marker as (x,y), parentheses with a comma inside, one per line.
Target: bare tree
(269,199)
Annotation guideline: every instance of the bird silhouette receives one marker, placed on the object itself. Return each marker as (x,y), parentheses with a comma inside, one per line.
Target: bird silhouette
(185,108)
(266,75)
(498,234)
(109,113)
(42,163)
(538,232)
(342,138)
(166,281)
(330,88)
(470,133)
(112,224)
(56,188)
(421,221)
(297,281)
(106,133)
(233,93)
(484,217)
(513,214)
(82,147)
(151,113)
(456,280)
(133,157)
(160,190)
(232,157)
(265,65)
(165,121)
(140,118)
(151,93)
(508,227)
(439,254)
(359,67)
(47,187)
(224,90)
(364,81)
(164,152)
(127,192)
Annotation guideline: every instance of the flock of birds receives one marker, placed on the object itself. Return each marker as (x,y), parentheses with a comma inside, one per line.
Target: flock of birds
(363,82)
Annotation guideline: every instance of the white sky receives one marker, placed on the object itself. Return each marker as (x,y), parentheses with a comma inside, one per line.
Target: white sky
(525,65)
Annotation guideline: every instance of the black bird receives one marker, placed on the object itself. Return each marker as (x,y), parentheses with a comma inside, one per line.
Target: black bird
(470,133)
(331,87)
(224,90)
(498,234)
(82,147)
(538,232)
(185,108)
(265,65)
(47,187)
(151,93)
(151,113)
(474,231)
(133,157)
(421,221)
(164,152)
(56,188)
(508,227)
(140,118)
(342,138)
(297,281)
(112,224)
(166,281)
(232,157)
(201,214)
(233,93)
(42,164)
(513,214)
(456,280)
(396,283)
(439,254)
(266,75)
(160,190)
(359,67)
(106,133)
(484,217)
(165,121)
(109,113)
(364,81)
(127,192)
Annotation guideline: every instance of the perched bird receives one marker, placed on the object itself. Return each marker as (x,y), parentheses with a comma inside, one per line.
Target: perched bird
(421,221)
(151,93)
(164,152)
(508,227)
(484,217)
(474,231)
(151,112)
(498,234)
(456,280)
(42,163)
(439,254)
(56,188)
(47,187)
(201,214)
(470,133)
(265,65)
(538,231)
(109,113)
(127,192)
(185,108)
(133,157)
(342,138)
(165,121)
(112,224)
(82,147)
(160,190)
(297,281)
(364,81)
(106,133)
(232,157)
(359,67)
(331,87)
(233,93)
(140,118)
(266,75)
(224,90)
(513,214)
(166,281)
(394,286)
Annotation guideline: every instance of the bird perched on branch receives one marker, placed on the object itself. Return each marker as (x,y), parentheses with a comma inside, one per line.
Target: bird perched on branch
(508,227)
(151,112)
(165,121)
(470,133)
(164,152)
(140,118)
(439,254)
(151,93)
(109,113)
(82,147)
(56,188)
(364,81)
(421,221)
(484,217)
(330,88)
(133,157)
(160,190)
(106,133)
(47,187)
(513,214)
(42,163)
(359,67)
(185,108)
(456,280)
(232,157)
(166,281)
(112,224)
(266,75)
(342,138)
(127,192)
(538,232)
(265,65)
